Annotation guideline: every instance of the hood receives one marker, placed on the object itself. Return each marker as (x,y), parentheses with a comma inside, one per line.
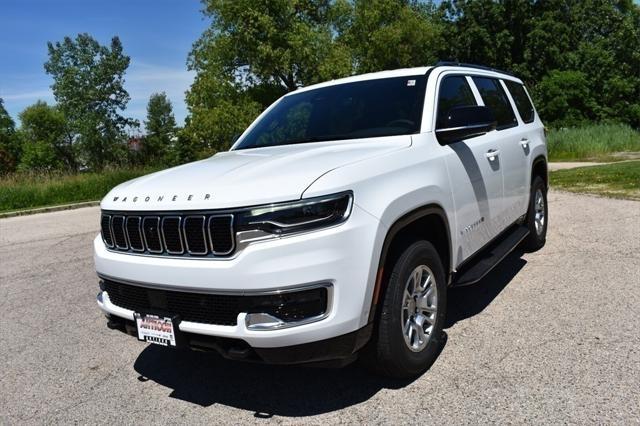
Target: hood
(245,177)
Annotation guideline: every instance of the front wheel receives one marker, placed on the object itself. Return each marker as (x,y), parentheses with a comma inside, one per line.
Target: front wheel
(537,216)
(409,331)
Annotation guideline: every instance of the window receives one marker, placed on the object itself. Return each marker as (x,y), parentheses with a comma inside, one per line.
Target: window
(363,109)
(454,92)
(496,99)
(523,103)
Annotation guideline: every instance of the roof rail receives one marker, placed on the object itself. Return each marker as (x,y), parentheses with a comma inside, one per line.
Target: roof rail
(462,64)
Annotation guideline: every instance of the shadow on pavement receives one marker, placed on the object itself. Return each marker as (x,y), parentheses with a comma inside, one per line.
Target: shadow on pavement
(465,302)
(293,391)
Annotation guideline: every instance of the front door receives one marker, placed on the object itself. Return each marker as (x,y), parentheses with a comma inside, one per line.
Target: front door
(475,174)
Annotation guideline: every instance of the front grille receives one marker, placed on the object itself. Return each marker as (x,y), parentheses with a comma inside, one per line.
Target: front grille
(218,309)
(200,235)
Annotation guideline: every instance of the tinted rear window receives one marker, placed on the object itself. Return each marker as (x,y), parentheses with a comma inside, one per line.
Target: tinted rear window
(454,92)
(523,103)
(364,109)
(495,98)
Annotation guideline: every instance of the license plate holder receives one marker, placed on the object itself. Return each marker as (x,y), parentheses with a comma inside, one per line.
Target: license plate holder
(157,329)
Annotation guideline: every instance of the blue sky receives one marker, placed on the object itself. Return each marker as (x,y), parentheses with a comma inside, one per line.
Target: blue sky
(156,34)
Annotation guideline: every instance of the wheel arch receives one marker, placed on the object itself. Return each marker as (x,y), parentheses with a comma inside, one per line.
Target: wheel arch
(539,168)
(427,222)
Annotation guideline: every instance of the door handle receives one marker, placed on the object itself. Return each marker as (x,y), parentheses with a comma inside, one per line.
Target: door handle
(524,143)
(492,154)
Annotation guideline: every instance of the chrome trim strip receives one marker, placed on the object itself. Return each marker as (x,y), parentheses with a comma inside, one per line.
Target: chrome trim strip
(164,240)
(144,234)
(204,235)
(262,292)
(282,324)
(110,231)
(126,225)
(470,127)
(124,232)
(233,235)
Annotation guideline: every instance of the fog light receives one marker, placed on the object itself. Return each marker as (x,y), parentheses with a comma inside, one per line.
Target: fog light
(287,308)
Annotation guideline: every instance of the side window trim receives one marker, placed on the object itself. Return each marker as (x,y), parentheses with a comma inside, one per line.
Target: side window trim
(441,78)
(475,91)
(514,107)
(533,106)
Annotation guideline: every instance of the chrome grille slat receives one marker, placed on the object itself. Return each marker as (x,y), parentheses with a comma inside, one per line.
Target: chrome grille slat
(134,233)
(118,232)
(188,235)
(151,234)
(195,238)
(221,235)
(172,234)
(105,226)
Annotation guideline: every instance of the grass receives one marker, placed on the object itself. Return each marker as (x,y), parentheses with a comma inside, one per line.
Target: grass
(616,180)
(24,191)
(597,142)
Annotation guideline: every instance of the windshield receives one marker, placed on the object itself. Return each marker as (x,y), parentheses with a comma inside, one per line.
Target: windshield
(363,109)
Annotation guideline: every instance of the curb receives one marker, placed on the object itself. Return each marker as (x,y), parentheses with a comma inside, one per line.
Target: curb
(49,209)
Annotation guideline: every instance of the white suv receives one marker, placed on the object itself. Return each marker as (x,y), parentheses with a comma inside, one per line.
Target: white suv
(335,224)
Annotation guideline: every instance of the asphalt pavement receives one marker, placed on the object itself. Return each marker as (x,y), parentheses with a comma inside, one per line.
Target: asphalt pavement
(547,337)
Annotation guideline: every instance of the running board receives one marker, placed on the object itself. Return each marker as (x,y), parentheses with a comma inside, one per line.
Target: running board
(490,257)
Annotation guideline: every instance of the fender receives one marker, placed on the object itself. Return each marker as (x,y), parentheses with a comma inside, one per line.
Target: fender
(398,225)
(536,162)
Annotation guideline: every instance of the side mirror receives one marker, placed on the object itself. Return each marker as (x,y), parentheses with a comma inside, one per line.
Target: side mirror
(465,122)
(234,138)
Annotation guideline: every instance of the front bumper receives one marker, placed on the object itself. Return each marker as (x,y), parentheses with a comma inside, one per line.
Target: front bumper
(344,256)
(334,352)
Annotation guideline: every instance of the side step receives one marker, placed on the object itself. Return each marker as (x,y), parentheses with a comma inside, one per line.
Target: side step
(489,257)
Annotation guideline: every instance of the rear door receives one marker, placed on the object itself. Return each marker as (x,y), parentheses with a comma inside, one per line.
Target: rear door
(520,151)
(511,140)
(475,175)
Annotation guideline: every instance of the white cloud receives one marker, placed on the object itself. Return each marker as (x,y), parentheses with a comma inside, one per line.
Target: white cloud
(28,96)
(141,81)
(144,79)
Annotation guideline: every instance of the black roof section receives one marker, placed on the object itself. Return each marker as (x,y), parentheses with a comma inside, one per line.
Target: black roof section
(481,67)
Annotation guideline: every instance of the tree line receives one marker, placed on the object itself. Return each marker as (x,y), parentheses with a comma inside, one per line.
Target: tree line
(579,58)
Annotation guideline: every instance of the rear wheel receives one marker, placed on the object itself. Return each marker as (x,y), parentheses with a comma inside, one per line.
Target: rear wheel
(408,335)
(537,216)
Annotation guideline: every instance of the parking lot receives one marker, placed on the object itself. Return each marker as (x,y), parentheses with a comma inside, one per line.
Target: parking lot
(548,337)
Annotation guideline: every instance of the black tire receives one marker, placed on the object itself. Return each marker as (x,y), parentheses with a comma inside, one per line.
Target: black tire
(388,353)
(537,235)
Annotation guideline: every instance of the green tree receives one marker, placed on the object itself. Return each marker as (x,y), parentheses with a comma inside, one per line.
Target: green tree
(390,34)
(88,84)
(160,126)
(565,98)
(255,51)
(47,142)
(556,43)
(9,144)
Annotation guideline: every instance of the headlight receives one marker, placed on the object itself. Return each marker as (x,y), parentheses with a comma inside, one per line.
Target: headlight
(297,216)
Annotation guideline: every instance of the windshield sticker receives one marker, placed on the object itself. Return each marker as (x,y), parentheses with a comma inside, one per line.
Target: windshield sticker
(411,82)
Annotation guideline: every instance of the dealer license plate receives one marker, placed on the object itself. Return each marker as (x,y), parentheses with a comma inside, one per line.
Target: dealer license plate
(155,329)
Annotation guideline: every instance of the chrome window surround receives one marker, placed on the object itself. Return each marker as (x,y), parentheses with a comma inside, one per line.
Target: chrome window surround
(204,236)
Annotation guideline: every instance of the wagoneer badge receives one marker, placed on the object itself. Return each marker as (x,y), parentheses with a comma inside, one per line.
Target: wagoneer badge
(160,198)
